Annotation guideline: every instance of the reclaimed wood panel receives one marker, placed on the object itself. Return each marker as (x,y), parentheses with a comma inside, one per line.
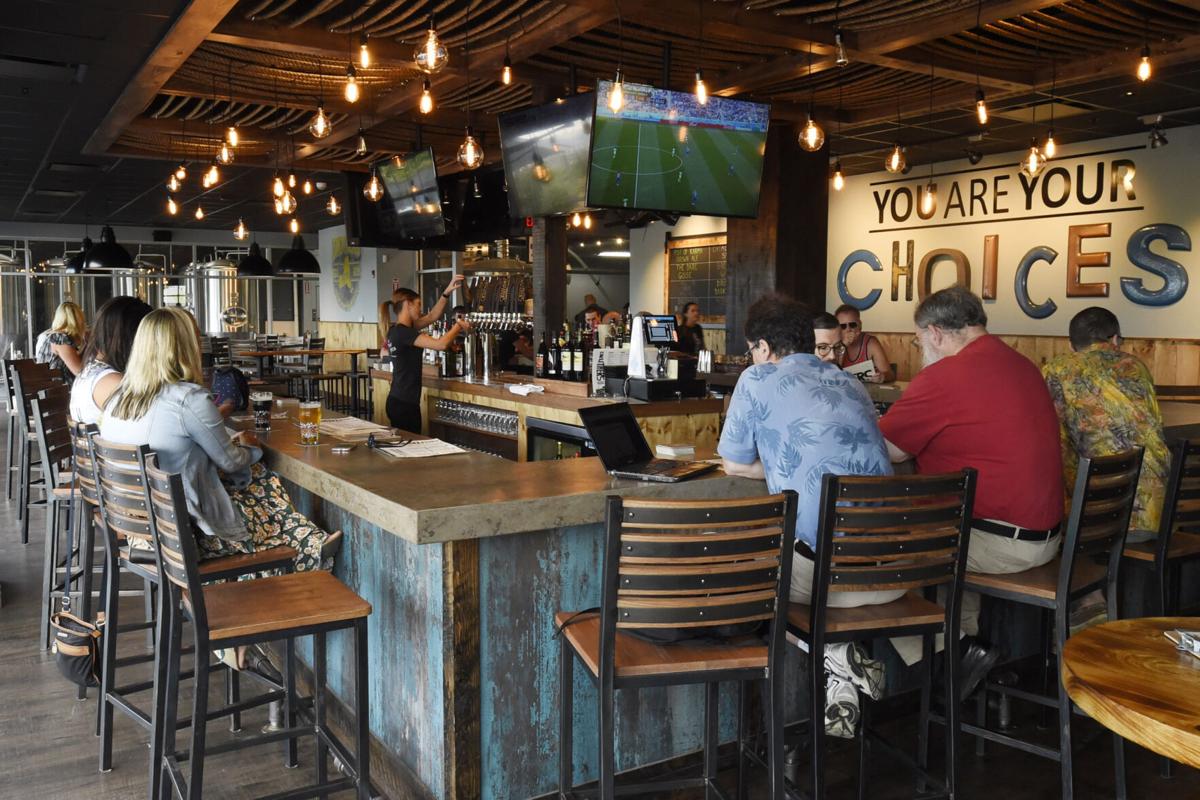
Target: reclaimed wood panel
(1173,362)
(340,335)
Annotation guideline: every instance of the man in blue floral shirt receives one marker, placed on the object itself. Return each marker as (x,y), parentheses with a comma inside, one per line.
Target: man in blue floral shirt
(793,418)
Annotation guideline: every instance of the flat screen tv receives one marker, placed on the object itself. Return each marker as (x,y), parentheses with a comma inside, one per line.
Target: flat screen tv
(664,151)
(475,207)
(545,152)
(411,207)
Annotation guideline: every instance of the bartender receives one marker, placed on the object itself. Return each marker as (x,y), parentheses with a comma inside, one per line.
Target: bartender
(691,335)
(405,342)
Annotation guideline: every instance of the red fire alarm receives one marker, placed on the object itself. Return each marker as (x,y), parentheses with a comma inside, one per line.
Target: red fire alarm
(529,222)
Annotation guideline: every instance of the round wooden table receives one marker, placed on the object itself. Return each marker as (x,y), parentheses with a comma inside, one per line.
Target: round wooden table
(1130,678)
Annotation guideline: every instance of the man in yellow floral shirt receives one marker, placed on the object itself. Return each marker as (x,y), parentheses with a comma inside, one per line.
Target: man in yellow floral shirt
(1106,403)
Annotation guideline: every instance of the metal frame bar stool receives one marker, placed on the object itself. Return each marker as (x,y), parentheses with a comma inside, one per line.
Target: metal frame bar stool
(906,532)
(28,378)
(692,566)
(277,608)
(53,436)
(119,477)
(1102,502)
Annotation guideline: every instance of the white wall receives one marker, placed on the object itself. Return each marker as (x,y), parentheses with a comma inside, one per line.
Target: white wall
(1164,194)
(124,233)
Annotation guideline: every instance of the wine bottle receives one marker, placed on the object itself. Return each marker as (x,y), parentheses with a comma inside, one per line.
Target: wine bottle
(577,358)
(540,363)
(555,354)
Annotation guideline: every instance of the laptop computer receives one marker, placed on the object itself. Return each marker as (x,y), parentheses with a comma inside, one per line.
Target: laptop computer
(624,451)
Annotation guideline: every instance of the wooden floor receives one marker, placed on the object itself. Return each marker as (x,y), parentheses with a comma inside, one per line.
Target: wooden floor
(48,750)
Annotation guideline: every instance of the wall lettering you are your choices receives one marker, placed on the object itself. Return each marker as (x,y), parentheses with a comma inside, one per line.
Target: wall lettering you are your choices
(1105,223)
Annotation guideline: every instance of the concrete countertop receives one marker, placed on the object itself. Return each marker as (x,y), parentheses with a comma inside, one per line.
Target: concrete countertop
(468,495)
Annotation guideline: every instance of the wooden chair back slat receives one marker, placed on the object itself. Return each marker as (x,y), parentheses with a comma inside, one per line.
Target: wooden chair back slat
(687,564)
(81,438)
(49,414)
(173,535)
(893,532)
(1181,500)
(1105,492)
(117,470)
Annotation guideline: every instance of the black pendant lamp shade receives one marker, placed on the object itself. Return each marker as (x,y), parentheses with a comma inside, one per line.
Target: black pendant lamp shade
(75,262)
(298,261)
(253,264)
(107,255)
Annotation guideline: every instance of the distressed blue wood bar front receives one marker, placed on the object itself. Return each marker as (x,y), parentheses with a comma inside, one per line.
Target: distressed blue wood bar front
(465,559)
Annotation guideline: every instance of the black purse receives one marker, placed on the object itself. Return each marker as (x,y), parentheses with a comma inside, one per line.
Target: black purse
(76,648)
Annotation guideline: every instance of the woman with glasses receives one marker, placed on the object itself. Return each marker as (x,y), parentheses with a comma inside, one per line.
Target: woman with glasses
(828,335)
(861,347)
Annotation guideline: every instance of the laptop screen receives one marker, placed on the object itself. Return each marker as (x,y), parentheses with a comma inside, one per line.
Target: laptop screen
(618,439)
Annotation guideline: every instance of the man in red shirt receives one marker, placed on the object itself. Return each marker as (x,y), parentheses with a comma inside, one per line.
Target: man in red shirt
(979,403)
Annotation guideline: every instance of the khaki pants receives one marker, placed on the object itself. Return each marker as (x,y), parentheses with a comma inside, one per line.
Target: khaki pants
(802,581)
(992,554)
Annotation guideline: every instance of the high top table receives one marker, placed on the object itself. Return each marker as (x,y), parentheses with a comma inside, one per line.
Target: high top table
(264,357)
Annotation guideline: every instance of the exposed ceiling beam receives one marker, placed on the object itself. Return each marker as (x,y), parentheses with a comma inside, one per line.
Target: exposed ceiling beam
(925,29)
(563,25)
(194,23)
(258,162)
(1180,51)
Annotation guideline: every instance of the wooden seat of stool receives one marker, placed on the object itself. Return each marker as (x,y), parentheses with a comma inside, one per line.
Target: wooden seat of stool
(634,656)
(908,611)
(279,604)
(1183,545)
(239,564)
(1039,582)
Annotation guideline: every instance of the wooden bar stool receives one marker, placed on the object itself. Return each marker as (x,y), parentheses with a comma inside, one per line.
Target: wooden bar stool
(1102,502)
(120,481)
(277,608)
(694,567)
(29,378)
(883,533)
(53,436)
(10,409)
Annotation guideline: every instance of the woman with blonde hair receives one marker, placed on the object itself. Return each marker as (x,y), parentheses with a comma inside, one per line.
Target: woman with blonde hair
(59,345)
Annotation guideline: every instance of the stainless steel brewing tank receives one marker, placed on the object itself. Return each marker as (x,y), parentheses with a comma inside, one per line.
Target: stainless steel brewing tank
(221,301)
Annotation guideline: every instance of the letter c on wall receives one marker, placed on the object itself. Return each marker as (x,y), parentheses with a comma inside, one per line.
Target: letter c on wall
(871,297)
(1021,283)
(1175,279)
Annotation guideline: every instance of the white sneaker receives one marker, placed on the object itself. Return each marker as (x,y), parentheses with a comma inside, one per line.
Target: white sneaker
(841,707)
(849,662)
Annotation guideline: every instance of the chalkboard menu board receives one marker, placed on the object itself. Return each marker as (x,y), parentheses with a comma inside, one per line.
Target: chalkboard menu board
(696,271)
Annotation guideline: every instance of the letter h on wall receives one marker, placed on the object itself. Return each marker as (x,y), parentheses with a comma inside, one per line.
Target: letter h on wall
(902,270)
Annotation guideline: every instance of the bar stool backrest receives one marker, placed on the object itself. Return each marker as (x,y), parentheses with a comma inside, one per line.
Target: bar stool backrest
(49,411)
(173,538)
(1105,492)
(884,533)
(673,564)
(315,363)
(81,446)
(122,489)
(1181,506)
(27,379)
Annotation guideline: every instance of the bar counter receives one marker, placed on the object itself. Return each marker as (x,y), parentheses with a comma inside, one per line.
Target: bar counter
(465,560)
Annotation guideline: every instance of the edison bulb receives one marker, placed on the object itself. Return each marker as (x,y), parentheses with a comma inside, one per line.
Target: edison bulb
(576,220)
(1033,161)
(811,136)
(470,153)
(307,186)
(587,222)
(928,199)
(1143,67)
(351,91)
(332,206)
(320,127)
(294,225)
(364,52)
(278,206)
(541,172)
(181,172)
(199,212)
(373,191)
(173,183)
(225,154)
(277,187)
(431,56)
(287,203)
(213,175)
(360,147)
(616,95)
(231,136)
(291,181)
(839,180)
(1051,148)
(399,161)
(895,162)
(981,109)
(426,104)
(701,89)
(172,206)
(240,233)
(506,71)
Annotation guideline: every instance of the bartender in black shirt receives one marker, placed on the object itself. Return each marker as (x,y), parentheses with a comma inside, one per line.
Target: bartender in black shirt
(405,342)
(691,335)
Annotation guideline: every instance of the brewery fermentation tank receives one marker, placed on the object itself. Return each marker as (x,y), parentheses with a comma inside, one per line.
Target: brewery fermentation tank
(221,301)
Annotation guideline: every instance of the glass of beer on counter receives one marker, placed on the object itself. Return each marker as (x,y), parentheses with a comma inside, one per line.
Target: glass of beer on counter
(261,402)
(310,421)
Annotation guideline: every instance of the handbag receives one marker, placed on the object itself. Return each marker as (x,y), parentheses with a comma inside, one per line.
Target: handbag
(76,648)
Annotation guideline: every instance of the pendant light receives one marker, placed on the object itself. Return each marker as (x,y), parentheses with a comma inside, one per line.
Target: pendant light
(199,212)
(587,220)
(701,86)
(294,225)
(616,94)
(332,206)
(576,220)
(373,190)
(75,264)
(351,91)
(231,136)
(231,133)
(320,127)
(181,172)
(1144,70)
(360,147)
(277,187)
(812,138)
(240,233)
(401,162)
(541,172)
(506,73)
(470,153)
(213,174)
(431,56)
(928,198)
(1033,161)
(364,52)
(253,264)
(291,179)
(225,154)
(840,57)
(173,183)
(107,254)
(1050,148)
(307,186)
(929,193)
(298,260)
(287,203)
(981,109)
(172,206)
(839,180)
(895,162)
(426,104)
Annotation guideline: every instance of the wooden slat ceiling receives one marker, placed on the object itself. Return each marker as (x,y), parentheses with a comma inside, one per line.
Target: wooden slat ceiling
(264,64)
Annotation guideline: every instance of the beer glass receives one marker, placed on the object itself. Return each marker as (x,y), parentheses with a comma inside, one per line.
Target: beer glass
(310,422)
(261,403)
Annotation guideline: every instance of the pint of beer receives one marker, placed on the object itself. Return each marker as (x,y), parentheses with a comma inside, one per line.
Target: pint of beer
(310,421)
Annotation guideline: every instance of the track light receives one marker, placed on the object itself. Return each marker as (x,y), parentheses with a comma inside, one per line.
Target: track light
(231,136)
(1157,137)
(974,156)
(470,153)
(172,206)
(701,88)
(332,206)
(1050,149)
(426,104)
(431,56)
(240,233)
(841,59)
(811,136)
(320,127)
(373,191)
(351,90)
(839,180)
(895,162)
(1143,67)
(364,52)
(981,109)
(616,94)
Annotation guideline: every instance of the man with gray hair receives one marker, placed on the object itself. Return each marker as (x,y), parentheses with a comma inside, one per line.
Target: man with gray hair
(979,403)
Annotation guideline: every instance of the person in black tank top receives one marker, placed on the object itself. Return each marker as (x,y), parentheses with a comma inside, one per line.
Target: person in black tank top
(405,343)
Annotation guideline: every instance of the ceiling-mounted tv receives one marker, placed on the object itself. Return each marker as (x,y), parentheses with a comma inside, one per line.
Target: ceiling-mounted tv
(545,152)
(411,207)
(664,151)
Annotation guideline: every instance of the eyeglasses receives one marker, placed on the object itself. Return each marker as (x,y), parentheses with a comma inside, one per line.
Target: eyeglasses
(837,349)
(853,326)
